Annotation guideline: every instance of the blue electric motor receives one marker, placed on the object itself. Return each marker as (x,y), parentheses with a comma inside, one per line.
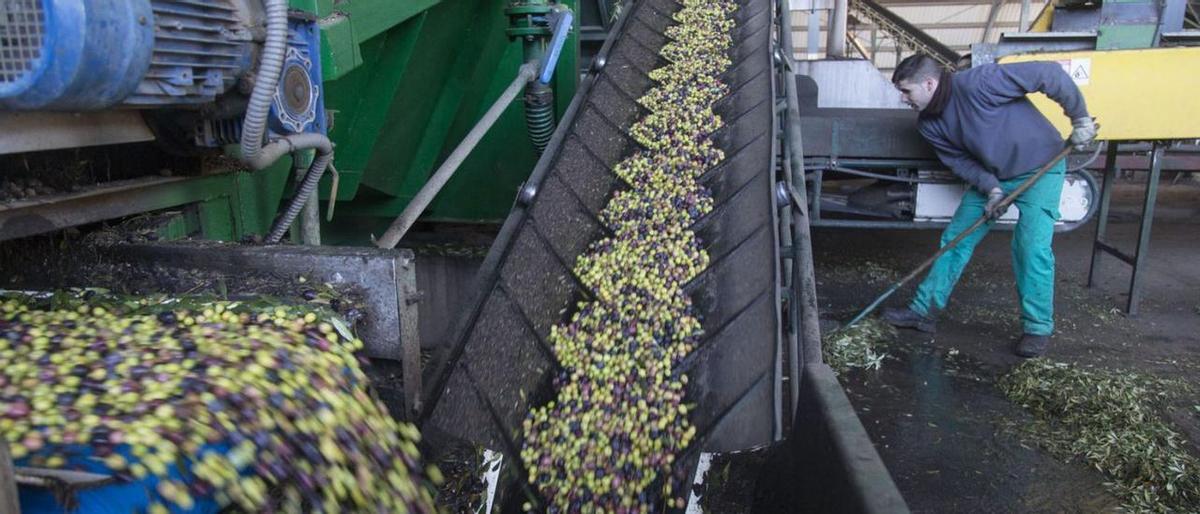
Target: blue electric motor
(78,55)
(97,54)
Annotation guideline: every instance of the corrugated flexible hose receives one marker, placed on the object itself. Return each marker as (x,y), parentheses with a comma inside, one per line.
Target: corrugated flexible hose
(254,125)
(266,80)
(308,186)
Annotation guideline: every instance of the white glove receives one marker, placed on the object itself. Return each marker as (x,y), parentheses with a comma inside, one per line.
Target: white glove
(993,207)
(1084,132)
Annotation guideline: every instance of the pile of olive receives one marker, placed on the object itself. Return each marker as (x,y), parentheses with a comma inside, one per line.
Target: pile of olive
(260,409)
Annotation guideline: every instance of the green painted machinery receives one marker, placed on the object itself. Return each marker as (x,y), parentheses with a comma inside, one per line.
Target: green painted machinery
(405,84)
(402,83)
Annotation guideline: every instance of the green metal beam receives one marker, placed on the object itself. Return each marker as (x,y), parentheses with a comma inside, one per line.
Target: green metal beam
(229,205)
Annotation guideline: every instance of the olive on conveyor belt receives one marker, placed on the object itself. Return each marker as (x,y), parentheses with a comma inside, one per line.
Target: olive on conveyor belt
(608,440)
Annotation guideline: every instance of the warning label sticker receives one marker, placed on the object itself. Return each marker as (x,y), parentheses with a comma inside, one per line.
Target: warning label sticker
(1080,70)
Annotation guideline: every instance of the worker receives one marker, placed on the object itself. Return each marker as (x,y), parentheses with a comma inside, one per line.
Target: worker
(987,132)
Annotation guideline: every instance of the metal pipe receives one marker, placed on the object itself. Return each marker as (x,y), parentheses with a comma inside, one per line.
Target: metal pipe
(1023,23)
(605,17)
(813,32)
(310,217)
(785,239)
(835,46)
(439,178)
(310,221)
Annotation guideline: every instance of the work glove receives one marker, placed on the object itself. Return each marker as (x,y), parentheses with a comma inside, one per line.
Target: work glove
(994,208)
(1084,131)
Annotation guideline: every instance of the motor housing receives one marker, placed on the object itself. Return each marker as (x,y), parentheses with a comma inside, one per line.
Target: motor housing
(72,55)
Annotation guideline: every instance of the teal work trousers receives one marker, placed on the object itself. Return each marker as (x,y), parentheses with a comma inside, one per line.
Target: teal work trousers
(1032,256)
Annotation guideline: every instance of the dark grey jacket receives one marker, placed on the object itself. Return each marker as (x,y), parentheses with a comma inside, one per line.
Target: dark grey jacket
(987,130)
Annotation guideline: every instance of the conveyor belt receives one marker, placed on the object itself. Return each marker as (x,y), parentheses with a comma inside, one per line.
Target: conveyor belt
(501,365)
(904,32)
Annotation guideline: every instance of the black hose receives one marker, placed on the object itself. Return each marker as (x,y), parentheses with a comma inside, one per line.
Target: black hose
(539,114)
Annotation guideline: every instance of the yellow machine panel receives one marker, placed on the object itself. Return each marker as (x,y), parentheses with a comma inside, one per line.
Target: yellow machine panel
(1134,94)
(1044,19)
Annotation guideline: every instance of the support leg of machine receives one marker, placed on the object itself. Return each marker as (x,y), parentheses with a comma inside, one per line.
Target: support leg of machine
(1107,182)
(1143,245)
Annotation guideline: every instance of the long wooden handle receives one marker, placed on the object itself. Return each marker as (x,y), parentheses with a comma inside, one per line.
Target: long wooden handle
(975,226)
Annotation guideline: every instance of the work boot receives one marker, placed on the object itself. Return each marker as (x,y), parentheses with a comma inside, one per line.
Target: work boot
(908,318)
(1031,345)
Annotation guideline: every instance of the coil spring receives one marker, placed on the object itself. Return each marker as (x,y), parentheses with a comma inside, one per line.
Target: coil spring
(539,115)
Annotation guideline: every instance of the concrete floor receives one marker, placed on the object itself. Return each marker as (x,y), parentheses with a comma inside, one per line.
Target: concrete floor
(933,410)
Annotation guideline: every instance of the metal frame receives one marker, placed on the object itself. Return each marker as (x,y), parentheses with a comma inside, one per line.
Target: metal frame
(804,336)
(228,205)
(1100,243)
(778,14)
(816,168)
